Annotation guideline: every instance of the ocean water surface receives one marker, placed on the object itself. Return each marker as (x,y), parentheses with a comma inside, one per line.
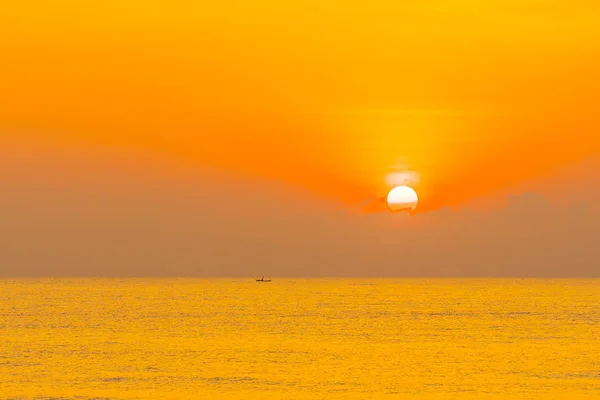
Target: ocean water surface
(299,339)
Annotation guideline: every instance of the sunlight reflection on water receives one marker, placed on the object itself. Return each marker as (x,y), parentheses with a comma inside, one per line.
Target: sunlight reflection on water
(326,338)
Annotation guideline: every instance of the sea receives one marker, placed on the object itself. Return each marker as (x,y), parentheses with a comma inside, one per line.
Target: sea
(299,339)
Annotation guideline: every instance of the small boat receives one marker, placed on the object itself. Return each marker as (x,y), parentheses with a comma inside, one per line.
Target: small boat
(263,279)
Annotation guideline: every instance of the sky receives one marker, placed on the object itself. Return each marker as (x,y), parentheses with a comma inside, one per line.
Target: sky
(255,137)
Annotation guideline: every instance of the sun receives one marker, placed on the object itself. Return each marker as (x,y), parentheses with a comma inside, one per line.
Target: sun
(402,198)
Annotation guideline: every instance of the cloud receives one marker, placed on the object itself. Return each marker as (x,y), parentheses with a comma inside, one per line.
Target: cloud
(401,174)
(399,178)
(106,214)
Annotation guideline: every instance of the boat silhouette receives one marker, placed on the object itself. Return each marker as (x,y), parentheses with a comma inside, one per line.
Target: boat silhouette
(263,279)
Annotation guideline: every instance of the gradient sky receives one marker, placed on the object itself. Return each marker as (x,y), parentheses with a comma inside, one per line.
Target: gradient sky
(179,137)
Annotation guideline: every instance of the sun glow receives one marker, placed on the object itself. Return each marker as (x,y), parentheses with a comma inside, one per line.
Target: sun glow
(402,198)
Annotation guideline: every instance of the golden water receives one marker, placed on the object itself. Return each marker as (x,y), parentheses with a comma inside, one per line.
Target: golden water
(297,339)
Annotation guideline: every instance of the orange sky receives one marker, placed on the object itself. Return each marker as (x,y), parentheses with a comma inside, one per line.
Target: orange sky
(475,95)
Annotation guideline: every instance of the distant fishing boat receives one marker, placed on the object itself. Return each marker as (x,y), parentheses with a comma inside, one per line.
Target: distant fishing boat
(263,279)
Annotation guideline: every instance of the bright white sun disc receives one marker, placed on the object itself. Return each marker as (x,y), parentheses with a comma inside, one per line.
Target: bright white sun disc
(402,198)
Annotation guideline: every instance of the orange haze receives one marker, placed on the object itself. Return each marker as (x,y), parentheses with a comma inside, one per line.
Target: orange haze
(326,94)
